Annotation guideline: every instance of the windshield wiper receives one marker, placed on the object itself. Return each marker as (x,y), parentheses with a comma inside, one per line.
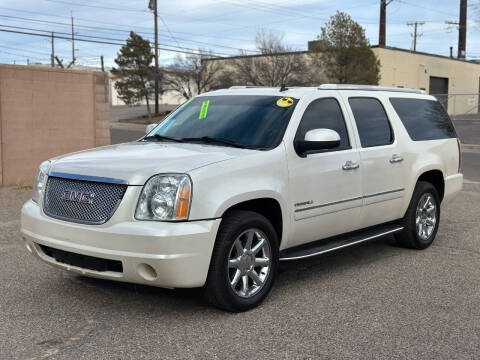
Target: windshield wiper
(208,139)
(161,137)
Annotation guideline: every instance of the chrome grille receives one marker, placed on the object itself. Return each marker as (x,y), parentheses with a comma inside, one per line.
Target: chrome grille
(106,199)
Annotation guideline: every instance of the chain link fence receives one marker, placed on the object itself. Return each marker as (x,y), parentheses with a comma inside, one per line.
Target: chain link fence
(464,109)
(465,106)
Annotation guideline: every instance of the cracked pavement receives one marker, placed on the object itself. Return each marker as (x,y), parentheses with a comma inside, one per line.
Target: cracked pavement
(374,300)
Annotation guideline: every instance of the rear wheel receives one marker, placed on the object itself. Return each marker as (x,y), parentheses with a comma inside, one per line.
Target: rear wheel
(422,218)
(244,262)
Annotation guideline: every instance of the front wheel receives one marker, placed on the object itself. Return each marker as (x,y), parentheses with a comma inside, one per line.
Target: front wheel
(244,262)
(422,218)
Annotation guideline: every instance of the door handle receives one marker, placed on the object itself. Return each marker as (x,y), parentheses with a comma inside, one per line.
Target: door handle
(396,159)
(350,165)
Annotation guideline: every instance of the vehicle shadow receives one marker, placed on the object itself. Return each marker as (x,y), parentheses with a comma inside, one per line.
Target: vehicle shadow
(191,300)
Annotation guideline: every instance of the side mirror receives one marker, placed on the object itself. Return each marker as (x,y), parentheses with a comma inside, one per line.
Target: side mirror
(150,127)
(317,139)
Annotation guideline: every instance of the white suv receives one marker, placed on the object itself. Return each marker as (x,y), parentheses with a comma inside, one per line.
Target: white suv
(236,180)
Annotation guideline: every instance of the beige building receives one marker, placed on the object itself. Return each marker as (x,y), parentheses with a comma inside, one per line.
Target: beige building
(167,98)
(455,82)
(452,79)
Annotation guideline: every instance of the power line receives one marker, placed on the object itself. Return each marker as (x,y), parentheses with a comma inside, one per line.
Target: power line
(123,9)
(168,29)
(97,6)
(104,42)
(274,10)
(114,24)
(30,51)
(423,7)
(19,55)
(116,30)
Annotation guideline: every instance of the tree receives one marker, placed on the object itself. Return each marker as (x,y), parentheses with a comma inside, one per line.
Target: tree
(277,64)
(136,75)
(191,75)
(344,52)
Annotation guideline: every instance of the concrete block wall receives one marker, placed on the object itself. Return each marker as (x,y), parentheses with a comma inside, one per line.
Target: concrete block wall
(102,109)
(47,112)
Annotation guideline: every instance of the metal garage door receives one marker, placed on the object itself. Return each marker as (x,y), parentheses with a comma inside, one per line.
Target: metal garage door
(439,88)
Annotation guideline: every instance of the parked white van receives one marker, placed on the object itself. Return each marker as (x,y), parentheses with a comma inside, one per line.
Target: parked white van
(236,180)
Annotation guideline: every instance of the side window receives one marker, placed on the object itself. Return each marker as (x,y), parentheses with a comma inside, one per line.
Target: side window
(324,114)
(424,119)
(372,122)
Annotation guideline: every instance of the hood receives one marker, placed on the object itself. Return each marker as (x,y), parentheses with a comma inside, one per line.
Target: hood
(136,162)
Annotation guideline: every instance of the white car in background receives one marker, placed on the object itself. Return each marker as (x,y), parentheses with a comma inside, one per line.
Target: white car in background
(236,180)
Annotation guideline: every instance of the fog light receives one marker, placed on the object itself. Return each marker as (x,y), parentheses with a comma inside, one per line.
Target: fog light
(147,272)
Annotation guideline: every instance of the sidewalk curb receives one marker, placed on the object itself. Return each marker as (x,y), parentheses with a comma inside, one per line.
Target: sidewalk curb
(471,148)
(128,126)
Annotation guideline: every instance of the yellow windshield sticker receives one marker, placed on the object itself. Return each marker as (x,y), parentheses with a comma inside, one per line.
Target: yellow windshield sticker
(285,102)
(204,110)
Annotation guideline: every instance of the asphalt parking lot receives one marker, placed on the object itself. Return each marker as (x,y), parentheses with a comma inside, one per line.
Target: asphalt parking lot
(371,301)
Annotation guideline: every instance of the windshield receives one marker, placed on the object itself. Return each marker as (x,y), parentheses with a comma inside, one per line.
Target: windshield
(256,122)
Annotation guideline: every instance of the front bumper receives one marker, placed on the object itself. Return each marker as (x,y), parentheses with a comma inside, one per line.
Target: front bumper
(154,253)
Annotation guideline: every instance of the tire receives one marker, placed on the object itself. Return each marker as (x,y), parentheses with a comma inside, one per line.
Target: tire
(410,237)
(232,264)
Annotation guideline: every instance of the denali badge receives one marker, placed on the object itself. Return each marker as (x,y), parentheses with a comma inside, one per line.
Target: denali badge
(78,196)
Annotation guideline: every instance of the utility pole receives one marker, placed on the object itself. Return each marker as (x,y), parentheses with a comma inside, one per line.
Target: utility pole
(462,30)
(101,62)
(415,32)
(73,44)
(382,37)
(152,5)
(52,60)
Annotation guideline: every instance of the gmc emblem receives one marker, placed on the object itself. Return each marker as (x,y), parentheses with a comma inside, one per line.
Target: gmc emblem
(78,196)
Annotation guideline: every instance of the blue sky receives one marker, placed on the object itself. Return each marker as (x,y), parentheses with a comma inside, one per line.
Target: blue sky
(224,26)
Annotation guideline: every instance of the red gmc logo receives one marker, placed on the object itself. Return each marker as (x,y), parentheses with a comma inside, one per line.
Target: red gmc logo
(78,196)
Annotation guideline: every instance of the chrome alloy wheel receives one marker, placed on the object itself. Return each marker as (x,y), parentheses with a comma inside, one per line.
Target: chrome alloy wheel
(426,216)
(249,263)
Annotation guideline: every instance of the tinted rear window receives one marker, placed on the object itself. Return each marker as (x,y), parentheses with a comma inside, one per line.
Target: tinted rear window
(424,119)
(372,122)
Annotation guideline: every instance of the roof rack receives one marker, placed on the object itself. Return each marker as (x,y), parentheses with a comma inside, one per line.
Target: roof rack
(250,87)
(338,87)
(266,87)
(368,88)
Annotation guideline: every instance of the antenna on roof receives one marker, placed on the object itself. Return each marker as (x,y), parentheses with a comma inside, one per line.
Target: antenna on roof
(283,88)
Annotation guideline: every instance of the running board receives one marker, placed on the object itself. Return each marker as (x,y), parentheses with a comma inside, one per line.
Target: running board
(338,242)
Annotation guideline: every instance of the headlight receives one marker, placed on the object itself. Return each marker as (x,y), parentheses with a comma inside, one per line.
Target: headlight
(40,180)
(165,197)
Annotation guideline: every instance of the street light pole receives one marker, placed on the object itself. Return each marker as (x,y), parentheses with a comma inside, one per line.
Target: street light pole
(152,5)
(73,43)
(52,60)
(157,110)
